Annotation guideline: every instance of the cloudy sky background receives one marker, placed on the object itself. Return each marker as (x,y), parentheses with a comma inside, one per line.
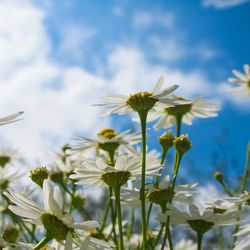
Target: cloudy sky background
(57,58)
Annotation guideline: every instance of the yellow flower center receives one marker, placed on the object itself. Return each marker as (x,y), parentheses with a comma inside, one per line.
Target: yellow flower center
(108,133)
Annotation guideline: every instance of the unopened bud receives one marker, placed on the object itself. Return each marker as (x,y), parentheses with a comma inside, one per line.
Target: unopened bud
(182,144)
(167,140)
(10,234)
(218,176)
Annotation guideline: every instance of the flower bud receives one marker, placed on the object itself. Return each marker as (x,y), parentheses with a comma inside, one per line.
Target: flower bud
(38,175)
(218,176)
(10,234)
(167,140)
(182,144)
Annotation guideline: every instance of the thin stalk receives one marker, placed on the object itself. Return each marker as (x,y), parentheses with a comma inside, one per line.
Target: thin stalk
(243,187)
(178,125)
(119,216)
(167,234)
(132,219)
(159,235)
(113,216)
(157,180)
(221,238)
(226,190)
(43,242)
(143,118)
(199,240)
(105,216)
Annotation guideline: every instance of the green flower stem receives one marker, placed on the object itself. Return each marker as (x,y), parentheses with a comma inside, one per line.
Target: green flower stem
(113,217)
(247,169)
(132,219)
(226,190)
(199,240)
(119,216)
(159,234)
(243,188)
(157,180)
(178,124)
(106,212)
(167,234)
(43,242)
(143,118)
(221,238)
(72,198)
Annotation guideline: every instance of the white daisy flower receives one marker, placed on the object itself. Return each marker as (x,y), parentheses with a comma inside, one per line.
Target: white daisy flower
(10,118)
(96,173)
(196,108)
(244,242)
(8,176)
(107,139)
(207,216)
(242,199)
(9,156)
(139,101)
(181,245)
(242,81)
(57,223)
(86,243)
(158,194)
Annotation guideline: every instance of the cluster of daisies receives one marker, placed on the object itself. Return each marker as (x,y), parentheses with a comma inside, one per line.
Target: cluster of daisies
(112,192)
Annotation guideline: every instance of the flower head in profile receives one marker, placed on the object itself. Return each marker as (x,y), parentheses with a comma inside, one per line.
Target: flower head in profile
(241,81)
(8,175)
(140,101)
(58,224)
(186,111)
(99,173)
(107,140)
(198,219)
(8,156)
(10,118)
(159,194)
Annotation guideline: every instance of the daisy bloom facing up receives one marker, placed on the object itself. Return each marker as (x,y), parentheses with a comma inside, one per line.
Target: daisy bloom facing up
(99,173)
(9,156)
(158,194)
(107,140)
(170,116)
(199,221)
(58,224)
(140,101)
(242,82)
(10,118)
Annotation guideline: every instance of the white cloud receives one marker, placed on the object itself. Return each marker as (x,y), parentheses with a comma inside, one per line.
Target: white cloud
(144,19)
(57,99)
(223,3)
(174,48)
(75,40)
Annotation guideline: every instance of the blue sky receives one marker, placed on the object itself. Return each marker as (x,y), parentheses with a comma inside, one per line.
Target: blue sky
(57,58)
